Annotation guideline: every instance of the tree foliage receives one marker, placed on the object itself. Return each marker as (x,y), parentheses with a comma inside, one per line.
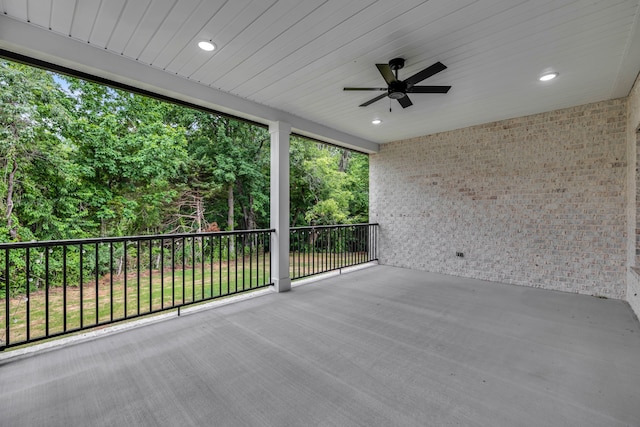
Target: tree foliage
(79,159)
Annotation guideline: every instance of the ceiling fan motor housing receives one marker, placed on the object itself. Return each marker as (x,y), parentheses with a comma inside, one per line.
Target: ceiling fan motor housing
(396,63)
(397,89)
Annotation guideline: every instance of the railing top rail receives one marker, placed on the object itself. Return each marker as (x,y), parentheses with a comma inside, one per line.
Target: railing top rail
(316,227)
(95,240)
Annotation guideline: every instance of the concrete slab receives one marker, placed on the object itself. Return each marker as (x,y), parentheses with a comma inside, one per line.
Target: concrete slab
(377,347)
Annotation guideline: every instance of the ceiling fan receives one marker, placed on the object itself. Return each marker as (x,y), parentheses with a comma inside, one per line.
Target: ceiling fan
(398,89)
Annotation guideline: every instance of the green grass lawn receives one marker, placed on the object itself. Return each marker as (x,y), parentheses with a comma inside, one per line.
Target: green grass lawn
(110,300)
(116,297)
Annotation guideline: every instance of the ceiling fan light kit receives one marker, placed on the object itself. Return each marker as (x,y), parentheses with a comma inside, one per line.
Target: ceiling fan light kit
(548,76)
(398,89)
(206,46)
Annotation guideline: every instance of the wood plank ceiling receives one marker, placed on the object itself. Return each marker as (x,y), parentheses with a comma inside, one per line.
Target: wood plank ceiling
(297,55)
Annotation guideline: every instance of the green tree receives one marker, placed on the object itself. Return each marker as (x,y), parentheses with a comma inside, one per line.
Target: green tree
(37,197)
(228,168)
(358,185)
(127,156)
(81,159)
(329,185)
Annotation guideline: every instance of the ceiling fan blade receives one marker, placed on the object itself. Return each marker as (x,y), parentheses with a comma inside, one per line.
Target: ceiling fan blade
(405,102)
(429,89)
(365,88)
(371,101)
(427,72)
(386,72)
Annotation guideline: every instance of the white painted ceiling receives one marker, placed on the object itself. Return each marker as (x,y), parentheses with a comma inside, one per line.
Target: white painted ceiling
(296,56)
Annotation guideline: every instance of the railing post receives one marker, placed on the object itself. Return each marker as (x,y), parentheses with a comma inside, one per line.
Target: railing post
(280,205)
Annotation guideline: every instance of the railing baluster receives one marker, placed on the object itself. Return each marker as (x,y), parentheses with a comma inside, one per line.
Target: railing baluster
(374,243)
(358,240)
(304,249)
(343,242)
(330,250)
(28,302)
(211,266)
(64,288)
(266,244)
(362,245)
(150,275)
(173,272)
(243,266)
(356,245)
(7,299)
(259,241)
(81,284)
(228,263)
(97,273)
(312,242)
(202,260)
(138,277)
(309,253)
(251,243)
(184,279)
(193,269)
(124,270)
(326,232)
(292,252)
(235,262)
(321,261)
(111,281)
(46,291)
(356,253)
(354,248)
(161,274)
(300,252)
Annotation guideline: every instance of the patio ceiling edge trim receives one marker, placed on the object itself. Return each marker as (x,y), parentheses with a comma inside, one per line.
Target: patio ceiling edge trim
(629,66)
(44,45)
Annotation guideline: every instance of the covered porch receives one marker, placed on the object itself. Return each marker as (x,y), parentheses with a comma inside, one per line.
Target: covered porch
(375,347)
(506,179)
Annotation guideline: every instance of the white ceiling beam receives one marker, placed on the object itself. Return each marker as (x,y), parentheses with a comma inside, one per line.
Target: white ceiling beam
(38,43)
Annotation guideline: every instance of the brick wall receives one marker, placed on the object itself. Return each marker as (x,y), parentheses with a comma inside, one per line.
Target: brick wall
(633,191)
(536,201)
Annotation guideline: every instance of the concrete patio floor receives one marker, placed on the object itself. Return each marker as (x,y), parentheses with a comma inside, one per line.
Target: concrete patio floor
(381,346)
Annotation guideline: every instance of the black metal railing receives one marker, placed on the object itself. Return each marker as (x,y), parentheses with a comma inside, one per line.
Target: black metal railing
(320,249)
(53,288)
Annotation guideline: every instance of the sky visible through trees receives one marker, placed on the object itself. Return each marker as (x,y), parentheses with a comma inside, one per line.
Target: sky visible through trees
(79,159)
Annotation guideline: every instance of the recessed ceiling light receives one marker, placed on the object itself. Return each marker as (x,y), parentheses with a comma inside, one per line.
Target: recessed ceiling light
(208,46)
(376,121)
(548,76)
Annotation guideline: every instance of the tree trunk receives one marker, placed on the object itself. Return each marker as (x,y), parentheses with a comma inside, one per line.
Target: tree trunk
(249,215)
(13,230)
(230,213)
(344,160)
(230,216)
(197,199)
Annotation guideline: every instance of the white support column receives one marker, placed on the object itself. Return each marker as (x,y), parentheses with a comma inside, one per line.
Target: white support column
(280,132)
